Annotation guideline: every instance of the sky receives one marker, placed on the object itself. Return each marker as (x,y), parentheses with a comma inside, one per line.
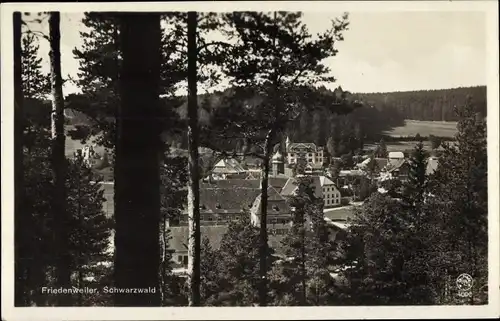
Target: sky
(381,52)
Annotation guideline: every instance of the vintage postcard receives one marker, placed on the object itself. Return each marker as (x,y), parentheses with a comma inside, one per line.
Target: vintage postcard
(250,160)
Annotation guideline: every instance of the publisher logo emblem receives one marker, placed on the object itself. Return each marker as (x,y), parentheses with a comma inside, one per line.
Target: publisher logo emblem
(464,284)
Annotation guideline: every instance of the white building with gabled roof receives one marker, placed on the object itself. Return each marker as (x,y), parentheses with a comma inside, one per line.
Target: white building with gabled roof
(324,188)
(309,151)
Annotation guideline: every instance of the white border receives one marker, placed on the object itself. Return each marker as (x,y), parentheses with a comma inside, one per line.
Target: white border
(10,313)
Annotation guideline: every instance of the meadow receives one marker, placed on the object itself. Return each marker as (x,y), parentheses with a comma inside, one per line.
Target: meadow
(424,128)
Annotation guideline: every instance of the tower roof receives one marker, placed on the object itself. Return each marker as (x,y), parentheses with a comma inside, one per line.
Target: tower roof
(277,158)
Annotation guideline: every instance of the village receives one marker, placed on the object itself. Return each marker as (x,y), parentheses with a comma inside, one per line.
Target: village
(232,190)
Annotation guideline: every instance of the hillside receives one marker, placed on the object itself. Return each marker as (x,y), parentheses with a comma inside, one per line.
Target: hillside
(383,114)
(428,105)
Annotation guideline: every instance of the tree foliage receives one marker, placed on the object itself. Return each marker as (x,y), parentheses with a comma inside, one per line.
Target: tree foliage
(302,277)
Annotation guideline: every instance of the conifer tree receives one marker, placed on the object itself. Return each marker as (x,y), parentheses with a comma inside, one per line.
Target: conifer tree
(375,239)
(90,229)
(461,197)
(58,161)
(303,277)
(272,66)
(173,195)
(382,149)
(35,83)
(20,215)
(210,285)
(416,186)
(239,253)
(137,161)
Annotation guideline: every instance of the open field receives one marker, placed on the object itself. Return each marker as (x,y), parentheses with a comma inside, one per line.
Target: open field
(424,128)
(399,146)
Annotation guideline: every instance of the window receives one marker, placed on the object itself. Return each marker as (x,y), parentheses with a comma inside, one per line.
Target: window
(310,155)
(218,206)
(179,258)
(185,260)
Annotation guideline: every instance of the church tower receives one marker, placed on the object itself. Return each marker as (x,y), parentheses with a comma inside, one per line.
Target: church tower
(287,143)
(278,164)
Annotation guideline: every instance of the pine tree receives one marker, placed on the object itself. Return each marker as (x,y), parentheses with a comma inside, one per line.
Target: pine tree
(100,60)
(372,168)
(416,186)
(194,241)
(20,217)
(36,85)
(382,149)
(461,200)
(90,229)
(375,240)
(303,278)
(173,196)
(137,161)
(239,253)
(37,227)
(210,285)
(272,66)
(61,217)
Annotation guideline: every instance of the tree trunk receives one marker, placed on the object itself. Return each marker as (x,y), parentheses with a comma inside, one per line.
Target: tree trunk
(62,263)
(137,186)
(21,289)
(303,264)
(263,249)
(194,180)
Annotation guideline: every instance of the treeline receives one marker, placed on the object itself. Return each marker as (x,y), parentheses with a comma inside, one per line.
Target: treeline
(380,112)
(430,105)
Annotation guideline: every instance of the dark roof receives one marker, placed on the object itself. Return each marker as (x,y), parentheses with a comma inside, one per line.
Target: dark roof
(291,186)
(219,200)
(232,183)
(179,236)
(274,200)
(395,164)
(381,162)
(278,181)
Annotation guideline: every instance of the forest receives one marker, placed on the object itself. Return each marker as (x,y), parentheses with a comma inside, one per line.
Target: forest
(367,124)
(403,247)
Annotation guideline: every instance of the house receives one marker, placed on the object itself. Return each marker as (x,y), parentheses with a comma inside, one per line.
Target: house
(398,168)
(396,155)
(432,165)
(324,188)
(309,151)
(228,168)
(349,177)
(380,164)
(279,217)
(178,242)
(223,202)
(314,169)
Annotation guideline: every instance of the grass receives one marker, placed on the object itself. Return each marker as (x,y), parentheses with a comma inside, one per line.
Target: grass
(399,146)
(424,128)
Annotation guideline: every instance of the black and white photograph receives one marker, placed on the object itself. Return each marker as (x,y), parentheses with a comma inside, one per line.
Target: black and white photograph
(234,155)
